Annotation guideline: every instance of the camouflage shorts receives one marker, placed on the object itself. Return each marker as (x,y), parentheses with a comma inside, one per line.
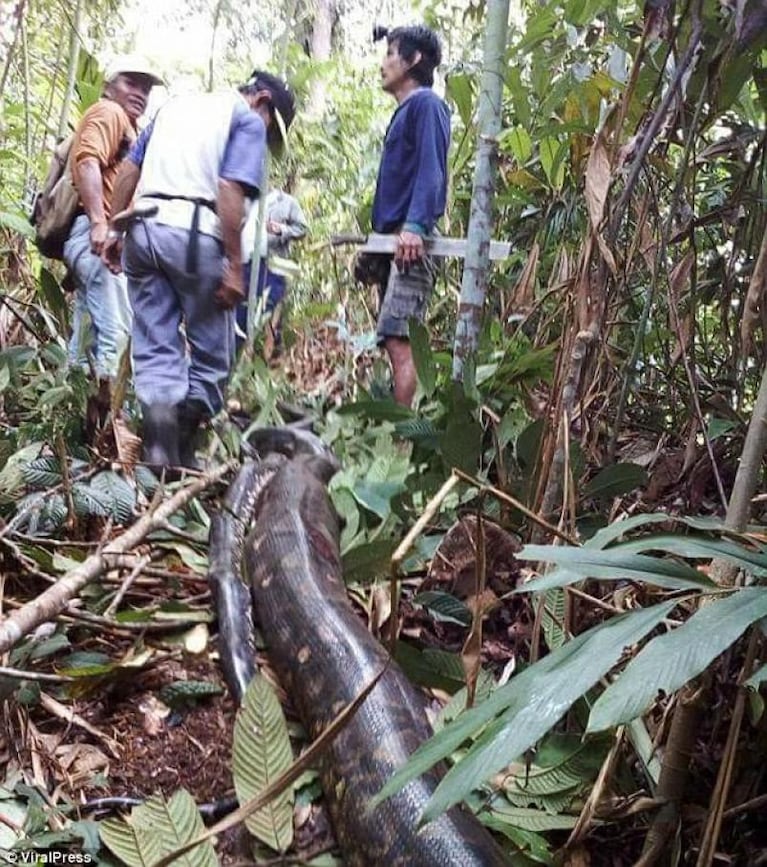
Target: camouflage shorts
(405,296)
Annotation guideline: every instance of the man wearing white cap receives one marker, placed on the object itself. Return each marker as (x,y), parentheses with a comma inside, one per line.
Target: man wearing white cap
(102,139)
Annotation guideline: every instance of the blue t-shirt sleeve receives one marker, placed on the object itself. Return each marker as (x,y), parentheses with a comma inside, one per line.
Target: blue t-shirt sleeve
(138,151)
(245,150)
(432,133)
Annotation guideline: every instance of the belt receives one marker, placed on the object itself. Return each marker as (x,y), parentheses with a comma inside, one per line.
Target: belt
(195,215)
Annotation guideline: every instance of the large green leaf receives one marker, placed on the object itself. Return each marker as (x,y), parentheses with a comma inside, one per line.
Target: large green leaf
(157,828)
(603,537)
(459,89)
(134,845)
(610,565)
(669,661)
(523,710)
(700,548)
(261,753)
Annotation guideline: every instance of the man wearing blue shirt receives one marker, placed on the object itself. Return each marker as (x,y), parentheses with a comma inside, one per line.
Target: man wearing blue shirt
(411,190)
(196,165)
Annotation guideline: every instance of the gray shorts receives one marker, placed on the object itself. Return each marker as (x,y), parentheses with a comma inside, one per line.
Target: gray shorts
(404,296)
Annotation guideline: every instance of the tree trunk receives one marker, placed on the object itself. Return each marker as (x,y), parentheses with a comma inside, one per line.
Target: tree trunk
(74,54)
(320,47)
(474,283)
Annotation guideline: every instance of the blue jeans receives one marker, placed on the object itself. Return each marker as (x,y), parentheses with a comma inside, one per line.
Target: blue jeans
(171,364)
(101,297)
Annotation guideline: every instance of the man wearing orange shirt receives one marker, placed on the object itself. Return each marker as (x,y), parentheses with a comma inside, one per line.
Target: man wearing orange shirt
(102,139)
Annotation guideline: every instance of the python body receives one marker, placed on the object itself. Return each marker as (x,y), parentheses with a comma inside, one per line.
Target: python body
(324,656)
(228,527)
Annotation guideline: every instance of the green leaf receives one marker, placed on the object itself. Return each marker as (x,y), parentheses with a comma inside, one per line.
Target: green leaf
(425,369)
(157,828)
(136,846)
(368,561)
(582,12)
(609,565)
(523,710)
(377,410)
(695,547)
(419,430)
(552,153)
(17,224)
(377,496)
(518,141)
(42,472)
(116,494)
(671,660)
(436,669)
(461,444)
(443,607)
(54,296)
(602,538)
(261,752)
(458,88)
(616,480)
(528,844)
(529,819)
(186,693)
(757,678)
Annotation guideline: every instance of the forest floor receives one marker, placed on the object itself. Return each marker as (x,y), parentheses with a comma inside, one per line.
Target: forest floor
(123,742)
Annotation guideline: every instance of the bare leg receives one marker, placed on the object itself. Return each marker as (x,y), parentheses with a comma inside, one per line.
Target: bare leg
(403,369)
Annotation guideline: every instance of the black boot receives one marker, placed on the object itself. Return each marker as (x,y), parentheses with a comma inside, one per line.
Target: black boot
(191,414)
(160,435)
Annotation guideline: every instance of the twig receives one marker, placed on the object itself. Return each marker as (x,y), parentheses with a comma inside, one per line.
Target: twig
(404,546)
(125,586)
(40,676)
(502,495)
(130,628)
(68,715)
(724,775)
(595,795)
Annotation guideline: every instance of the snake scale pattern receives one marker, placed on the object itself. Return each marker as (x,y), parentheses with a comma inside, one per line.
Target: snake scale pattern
(324,656)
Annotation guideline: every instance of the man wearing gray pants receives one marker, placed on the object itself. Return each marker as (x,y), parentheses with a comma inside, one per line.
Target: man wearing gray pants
(194,166)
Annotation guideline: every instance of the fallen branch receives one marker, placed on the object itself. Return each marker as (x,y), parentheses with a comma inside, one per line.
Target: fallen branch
(54,600)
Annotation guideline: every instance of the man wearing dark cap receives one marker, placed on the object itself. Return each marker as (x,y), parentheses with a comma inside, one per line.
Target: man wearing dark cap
(102,139)
(411,191)
(200,164)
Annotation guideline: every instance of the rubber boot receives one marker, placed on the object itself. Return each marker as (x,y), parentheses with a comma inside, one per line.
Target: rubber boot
(160,435)
(191,414)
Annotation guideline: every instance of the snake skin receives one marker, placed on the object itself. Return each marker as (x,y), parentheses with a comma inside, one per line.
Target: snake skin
(324,656)
(231,597)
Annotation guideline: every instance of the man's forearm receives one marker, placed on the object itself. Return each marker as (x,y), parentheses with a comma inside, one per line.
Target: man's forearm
(230,207)
(125,185)
(91,189)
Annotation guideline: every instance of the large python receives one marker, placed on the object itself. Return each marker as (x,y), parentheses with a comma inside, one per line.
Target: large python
(228,526)
(324,656)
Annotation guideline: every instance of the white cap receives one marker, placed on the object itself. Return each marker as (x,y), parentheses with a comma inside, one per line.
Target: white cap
(125,63)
